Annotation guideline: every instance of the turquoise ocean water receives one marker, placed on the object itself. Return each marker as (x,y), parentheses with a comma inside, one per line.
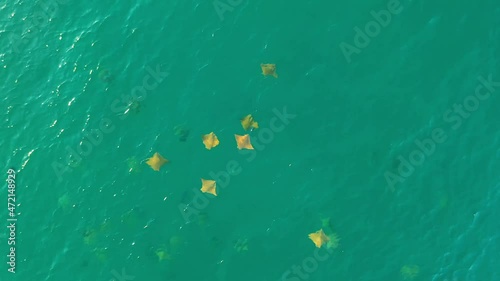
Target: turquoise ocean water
(99,212)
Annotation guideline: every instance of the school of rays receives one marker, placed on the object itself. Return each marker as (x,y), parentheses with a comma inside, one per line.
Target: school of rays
(324,236)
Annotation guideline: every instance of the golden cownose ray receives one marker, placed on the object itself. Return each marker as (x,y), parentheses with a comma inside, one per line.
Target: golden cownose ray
(319,238)
(106,76)
(162,254)
(409,271)
(156,161)
(105,226)
(90,236)
(269,69)
(241,245)
(333,238)
(133,106)
(333,241)
(175,243)
(208,186)
(248,122)
(202,219)
(243,142)
(210,140)
(101,254)
(65,202)
(181,132)
(326,225)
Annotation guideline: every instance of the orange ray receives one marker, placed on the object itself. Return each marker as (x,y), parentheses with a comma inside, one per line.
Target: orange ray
(243,142)
(156,161)
(269,69)
(319,238)
(210,140)
(208,186)
(248,122)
